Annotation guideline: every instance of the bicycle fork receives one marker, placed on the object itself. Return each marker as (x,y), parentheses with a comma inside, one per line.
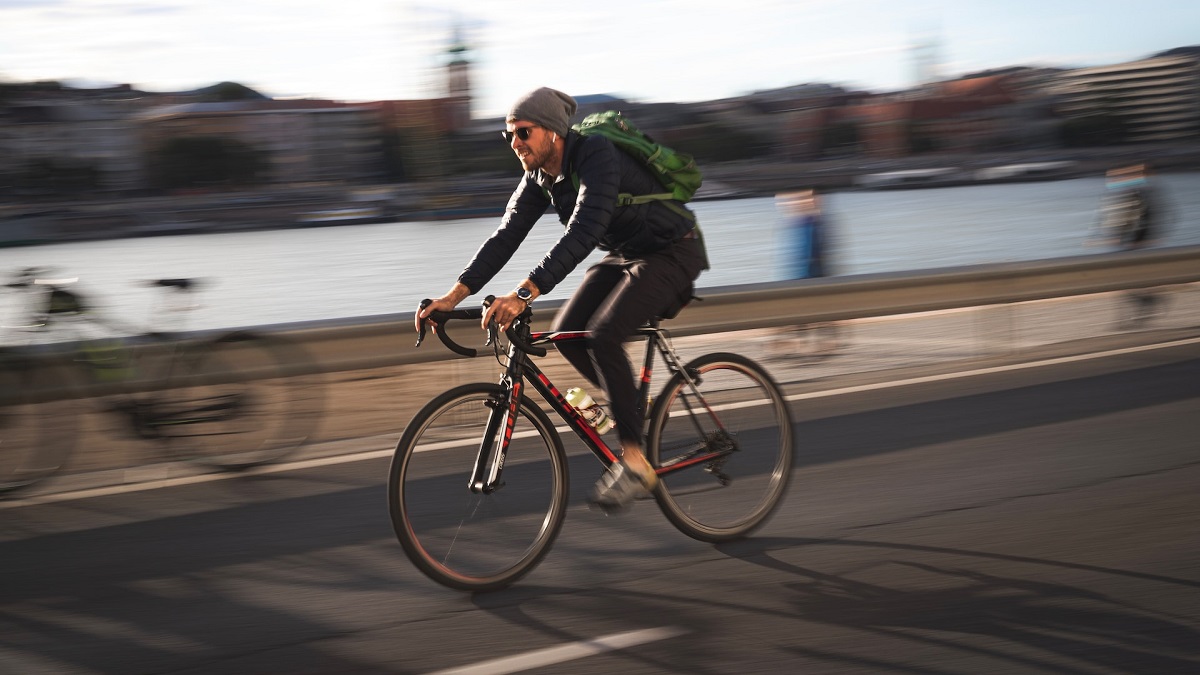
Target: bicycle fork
(505,407)
(493,447)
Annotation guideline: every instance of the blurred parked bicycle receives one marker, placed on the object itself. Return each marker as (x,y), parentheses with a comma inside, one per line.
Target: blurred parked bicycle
(230,401)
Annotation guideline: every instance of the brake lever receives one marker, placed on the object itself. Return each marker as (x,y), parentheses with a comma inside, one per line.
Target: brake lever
(421,323)
(493,330)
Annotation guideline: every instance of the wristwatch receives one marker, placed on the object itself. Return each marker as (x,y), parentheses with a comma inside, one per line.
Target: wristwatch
(525,294)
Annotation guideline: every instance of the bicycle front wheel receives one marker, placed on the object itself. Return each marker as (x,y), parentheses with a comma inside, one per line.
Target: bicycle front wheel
(236,403)
(467,540)
(738,412)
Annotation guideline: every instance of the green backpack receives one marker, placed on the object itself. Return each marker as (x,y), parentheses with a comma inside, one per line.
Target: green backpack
(675,170)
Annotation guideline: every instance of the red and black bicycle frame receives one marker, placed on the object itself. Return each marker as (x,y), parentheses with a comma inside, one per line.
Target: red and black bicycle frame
(493,447)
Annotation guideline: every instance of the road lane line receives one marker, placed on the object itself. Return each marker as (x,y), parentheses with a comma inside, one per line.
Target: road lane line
(378,454)
(125,488)
(569,652)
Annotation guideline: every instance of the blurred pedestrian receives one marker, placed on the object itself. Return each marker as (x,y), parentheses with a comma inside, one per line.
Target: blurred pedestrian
(1129,208)
(805,253)
(1131,219)
(805,243)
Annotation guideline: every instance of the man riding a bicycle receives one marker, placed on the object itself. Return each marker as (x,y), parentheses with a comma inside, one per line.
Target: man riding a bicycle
(653,257)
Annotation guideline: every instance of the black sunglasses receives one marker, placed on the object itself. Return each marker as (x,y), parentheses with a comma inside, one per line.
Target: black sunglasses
(522,133)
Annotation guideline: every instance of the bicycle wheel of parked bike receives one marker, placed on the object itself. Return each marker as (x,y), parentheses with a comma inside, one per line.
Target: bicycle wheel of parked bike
(459,538)
(237,402)
(734,406)
(38,421)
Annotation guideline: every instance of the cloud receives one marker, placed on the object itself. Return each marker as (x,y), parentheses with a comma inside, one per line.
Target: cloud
(6,5)
(646,49)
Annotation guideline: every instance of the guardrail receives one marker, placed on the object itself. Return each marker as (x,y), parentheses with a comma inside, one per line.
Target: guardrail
(388,340)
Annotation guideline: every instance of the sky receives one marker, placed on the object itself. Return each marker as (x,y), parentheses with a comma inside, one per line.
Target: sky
(642,50)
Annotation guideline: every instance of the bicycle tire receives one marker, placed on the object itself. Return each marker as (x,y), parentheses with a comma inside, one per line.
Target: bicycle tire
(38,422)
(728,499)
(465,540)
(236,402)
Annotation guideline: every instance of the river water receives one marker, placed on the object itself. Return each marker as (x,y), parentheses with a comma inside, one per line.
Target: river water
(282,276)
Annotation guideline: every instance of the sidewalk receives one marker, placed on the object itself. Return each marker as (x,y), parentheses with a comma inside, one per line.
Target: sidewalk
(366,410)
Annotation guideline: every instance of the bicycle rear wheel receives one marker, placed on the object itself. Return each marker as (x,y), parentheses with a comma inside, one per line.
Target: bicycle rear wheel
(735,408)
(38,421)
(466,540)
(235,403)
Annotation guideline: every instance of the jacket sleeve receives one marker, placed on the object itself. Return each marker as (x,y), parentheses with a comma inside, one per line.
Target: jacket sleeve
(596,165)
(525,207)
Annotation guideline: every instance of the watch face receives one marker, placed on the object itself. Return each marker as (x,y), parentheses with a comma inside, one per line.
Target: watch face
(524,294)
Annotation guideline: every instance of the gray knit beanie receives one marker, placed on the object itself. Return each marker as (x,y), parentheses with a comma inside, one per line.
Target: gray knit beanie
(546,107)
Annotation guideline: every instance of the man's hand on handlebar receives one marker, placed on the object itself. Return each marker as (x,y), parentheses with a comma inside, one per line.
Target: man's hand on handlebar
(487,313)
(504,309)
(442,304)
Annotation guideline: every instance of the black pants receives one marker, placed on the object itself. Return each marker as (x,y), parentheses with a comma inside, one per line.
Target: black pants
(618,295)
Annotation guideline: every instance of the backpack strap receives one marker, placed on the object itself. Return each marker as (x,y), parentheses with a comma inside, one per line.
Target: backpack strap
(626,199)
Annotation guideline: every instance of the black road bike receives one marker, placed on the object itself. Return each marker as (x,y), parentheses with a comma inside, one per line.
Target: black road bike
(478,486)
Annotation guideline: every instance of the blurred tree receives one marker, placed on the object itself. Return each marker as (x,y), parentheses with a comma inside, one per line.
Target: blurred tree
(1100,128)
(205,161)
(840,138)
(392,148)
(58,177)
(229,91)
(482,155)
(919,140)
(716,142)
(1095,125)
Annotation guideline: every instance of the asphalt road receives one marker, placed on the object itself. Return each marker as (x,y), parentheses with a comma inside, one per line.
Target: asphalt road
(1026,520)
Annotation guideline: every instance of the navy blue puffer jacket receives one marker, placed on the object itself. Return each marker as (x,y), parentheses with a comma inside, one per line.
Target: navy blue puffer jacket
(591,215)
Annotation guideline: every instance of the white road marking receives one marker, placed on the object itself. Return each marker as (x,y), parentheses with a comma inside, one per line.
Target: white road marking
(568,652)
(378,454)
(192,480)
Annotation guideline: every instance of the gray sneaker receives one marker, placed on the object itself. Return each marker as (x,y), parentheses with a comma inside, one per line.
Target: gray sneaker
(617,488)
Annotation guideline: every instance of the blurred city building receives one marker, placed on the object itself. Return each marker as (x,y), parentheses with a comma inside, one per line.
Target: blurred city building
(302,140)
(1154,99)
(970,115)
(77,138)
(62,142)
(986,113)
